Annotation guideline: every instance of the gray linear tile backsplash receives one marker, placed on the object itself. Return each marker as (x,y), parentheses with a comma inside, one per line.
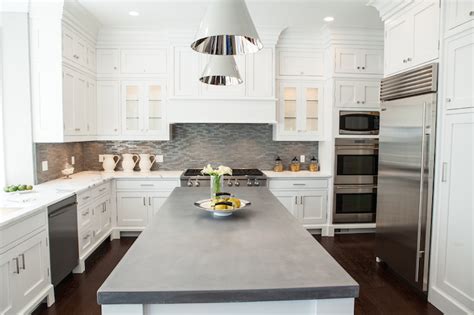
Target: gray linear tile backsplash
(191,146)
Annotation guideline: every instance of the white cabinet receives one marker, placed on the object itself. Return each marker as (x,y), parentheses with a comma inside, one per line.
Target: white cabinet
(300,63)
(78,103)
(459,69)
(358,61)
(143,61)
(108,109)
(260,75)
(186,72)
(77,50)
(144,108)
(451,285)
(458,12)
(356,93)
(108,62)
(24,266)
(299,111)
(306,199)
(132,209)
(413,38)
(91,107)
(156,200)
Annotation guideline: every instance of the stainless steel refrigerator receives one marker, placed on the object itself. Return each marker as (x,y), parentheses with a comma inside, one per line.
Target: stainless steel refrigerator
(406,170)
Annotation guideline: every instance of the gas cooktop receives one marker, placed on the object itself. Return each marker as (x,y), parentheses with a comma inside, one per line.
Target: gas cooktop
(245,177)
(236,172)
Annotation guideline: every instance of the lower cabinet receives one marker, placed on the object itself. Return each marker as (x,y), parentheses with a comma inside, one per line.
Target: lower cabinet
(24,274)
(138,201)
(308,205)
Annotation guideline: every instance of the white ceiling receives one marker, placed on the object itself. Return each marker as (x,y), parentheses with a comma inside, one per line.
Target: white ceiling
(169,14)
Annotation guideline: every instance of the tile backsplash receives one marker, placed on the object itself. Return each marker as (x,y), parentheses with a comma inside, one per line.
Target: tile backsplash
(191,146)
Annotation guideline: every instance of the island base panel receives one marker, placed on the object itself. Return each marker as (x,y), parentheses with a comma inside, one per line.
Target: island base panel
(305,307)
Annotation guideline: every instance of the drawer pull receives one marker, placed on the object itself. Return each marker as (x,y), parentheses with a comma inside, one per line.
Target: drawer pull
(147,185)
(22,256)
(299,184)
(86,197)
(86,237)
(85,213)
(17,265)
(102,189)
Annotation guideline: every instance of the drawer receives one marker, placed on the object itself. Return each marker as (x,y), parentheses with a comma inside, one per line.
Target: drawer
(298,184)
(84,217)
(101,190)
(21,228)
(85,240)
(84,197)
(142,185)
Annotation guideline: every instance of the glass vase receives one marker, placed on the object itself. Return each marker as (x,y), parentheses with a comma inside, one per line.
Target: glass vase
(217,182)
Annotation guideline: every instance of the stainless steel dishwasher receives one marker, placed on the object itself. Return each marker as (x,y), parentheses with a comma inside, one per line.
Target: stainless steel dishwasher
(63,238)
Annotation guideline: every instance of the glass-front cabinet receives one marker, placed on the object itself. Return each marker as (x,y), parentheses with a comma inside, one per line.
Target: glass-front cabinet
(143,108)
(299,111)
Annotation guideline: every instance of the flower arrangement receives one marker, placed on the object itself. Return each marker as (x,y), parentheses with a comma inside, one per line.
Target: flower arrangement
(217,177)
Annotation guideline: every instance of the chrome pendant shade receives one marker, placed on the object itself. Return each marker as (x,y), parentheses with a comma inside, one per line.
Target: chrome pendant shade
(227,29)
(221,70)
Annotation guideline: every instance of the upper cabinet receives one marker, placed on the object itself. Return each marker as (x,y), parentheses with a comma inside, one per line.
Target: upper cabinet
(357,93)
(358,61)
(143,61)
(412,39)
(77,50)
(108,62)
(299,111)
(458,12)
(297,63)
(459,69)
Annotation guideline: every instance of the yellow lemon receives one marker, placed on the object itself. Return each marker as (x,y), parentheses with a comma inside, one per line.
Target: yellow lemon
(235,202)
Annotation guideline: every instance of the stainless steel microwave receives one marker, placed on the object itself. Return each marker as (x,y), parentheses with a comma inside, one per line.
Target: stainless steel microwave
(359,122)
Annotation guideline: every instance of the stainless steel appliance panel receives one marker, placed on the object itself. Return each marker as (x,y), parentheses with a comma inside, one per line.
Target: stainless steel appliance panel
(359,122)
(63,238)
(405,185)
(355,203)
(356,161)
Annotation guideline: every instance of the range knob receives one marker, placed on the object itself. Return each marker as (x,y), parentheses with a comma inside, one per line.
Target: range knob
(249,182)
(229,183)
(256,183)
(197,183)
(236,183)
(189,183)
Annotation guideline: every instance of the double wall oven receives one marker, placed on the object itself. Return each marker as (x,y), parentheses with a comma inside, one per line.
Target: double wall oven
(355,183)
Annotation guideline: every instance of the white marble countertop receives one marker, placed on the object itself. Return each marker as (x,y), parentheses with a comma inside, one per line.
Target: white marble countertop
(14,206)
(300,174)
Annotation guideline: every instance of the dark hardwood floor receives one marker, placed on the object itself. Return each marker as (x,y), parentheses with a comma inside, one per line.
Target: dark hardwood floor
(381,292)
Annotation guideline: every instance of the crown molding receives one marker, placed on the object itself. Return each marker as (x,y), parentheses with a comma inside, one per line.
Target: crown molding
(387,8)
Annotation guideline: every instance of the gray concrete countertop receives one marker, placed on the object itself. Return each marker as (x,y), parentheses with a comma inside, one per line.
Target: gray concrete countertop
(260,253)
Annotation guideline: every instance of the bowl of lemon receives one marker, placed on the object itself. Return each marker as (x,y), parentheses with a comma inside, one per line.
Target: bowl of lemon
(223,205)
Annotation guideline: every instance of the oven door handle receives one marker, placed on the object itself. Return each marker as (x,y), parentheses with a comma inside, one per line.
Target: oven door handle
(355,187)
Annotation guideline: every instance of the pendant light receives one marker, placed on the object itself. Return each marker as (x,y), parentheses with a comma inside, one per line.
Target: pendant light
(221,70)
(227,29)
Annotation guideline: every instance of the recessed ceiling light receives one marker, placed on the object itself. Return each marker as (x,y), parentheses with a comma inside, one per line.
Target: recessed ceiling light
(133,13)
(328,19)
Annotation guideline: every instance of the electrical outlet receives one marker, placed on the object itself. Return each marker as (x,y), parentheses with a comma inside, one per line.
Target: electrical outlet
(101,158)
(159,158)
(73,160)
(302,158)
(44,166)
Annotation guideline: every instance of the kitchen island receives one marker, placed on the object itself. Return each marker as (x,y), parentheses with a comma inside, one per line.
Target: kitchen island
(257,261)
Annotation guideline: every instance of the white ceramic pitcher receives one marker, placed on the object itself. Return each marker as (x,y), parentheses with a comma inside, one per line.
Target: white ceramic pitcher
(146,162)
(110,163)
(128,162)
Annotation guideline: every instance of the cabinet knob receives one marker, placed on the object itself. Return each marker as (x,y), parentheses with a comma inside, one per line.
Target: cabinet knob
(115,68)
(448,100)
(115,129)
(358,102)
(363,68)
(77,129)
(408,59)
(301,72)
(471,13)
(363,102)
(358,67)
(404,61)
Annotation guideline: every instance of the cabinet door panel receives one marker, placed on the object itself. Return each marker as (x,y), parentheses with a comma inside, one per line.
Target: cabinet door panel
(96,216)
(150,61)
(91,107)
(80,51)
(69,79)
(80,105)
(288,199)
(108,108)
(133,98)
(301,63)
(454,233)
(369,93)
(154,111)
(458,12)
(132,209)
(91,58)
(313,207)
(107,61)
(459,72)
(347,60)
(312,96)
(346,93)
(186,72)
(156,201)
(68,43)
(7,277)
(425,34)
(259,73)
(33,276)
(371,61)
(397,47)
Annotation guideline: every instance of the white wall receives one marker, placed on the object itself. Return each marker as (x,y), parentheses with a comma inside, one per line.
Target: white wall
(18,143)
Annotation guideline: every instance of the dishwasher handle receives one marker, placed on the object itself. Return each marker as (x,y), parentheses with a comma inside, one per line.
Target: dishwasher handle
(61,210)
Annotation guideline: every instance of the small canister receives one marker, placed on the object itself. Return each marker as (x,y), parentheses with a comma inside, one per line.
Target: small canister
(278,165)
(313,165)
(295,165)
